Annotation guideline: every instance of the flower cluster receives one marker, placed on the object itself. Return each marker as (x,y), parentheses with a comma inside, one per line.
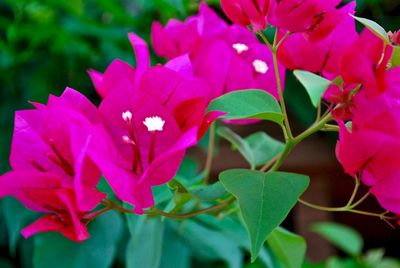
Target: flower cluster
(149,115)
(137,137)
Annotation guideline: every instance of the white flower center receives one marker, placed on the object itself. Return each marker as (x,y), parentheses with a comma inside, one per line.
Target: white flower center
(260,66)
(154,123)
(240,47)
(127,116)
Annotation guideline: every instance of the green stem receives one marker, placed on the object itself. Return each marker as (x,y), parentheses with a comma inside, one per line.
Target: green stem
(210,153)
(322,208)
(270,163)
(347,209)
(280,93)
(362,199)
(154,211)
(291,143)
(354,194)
(218,207)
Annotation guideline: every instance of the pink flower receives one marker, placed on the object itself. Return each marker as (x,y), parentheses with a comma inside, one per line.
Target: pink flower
(46,192)
(235,61)
(314,18)
(342,99)
(178,38)
(49,159)
(298,52)
(247,12)
(148,123)
(142,145)
(371,146)
(362,62)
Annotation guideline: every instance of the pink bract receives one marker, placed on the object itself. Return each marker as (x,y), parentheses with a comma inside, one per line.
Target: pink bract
(314,18)
(51,169)
(247,12)
(298,52)
(134,157)
(177,38)
(371,146)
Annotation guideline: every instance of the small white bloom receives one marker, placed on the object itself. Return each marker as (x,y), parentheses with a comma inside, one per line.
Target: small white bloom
(260,66)
(154,123)
(240,47)
(127,116)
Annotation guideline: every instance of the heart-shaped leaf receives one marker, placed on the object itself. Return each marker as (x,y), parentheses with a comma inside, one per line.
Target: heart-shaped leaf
(248,104)
(265,199)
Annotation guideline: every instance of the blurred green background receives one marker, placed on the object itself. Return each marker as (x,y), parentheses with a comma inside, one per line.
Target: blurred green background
(50,44)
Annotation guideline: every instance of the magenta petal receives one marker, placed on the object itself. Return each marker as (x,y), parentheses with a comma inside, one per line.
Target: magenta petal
(116,71)
(51,223)
(355,149)
(47,223)
(87,175)
(142,55)
(212,63)
(33,189)
(181,64)
(165,166)
(233,10)
(387,192)
(163,43)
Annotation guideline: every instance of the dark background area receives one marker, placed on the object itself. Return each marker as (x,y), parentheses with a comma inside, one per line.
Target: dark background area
(48,45)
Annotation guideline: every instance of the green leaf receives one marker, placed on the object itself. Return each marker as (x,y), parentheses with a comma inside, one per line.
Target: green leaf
(396,56)
(144,248)
(5,263)
(98,251)
(374,27)
(257,149)
(388,263)
(209,244)
(175,254)
(239,143)
(343,237)
(265,199)
(248,104)
(373,257)
(263,147)
(315,85)
(209,192)
(289,248)
(16,218)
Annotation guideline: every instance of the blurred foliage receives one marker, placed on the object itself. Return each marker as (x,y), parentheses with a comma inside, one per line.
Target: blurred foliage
(50,44)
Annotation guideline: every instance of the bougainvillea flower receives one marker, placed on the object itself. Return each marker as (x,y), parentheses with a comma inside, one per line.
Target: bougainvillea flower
(46,192)
(366,61)
(247,12)
(298,52)
(375,118)
(52,172)
(177,38)
(54,138)
(314,18)
(173,85)
(149,121)
(236,61)
(342,99)
(141,146)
